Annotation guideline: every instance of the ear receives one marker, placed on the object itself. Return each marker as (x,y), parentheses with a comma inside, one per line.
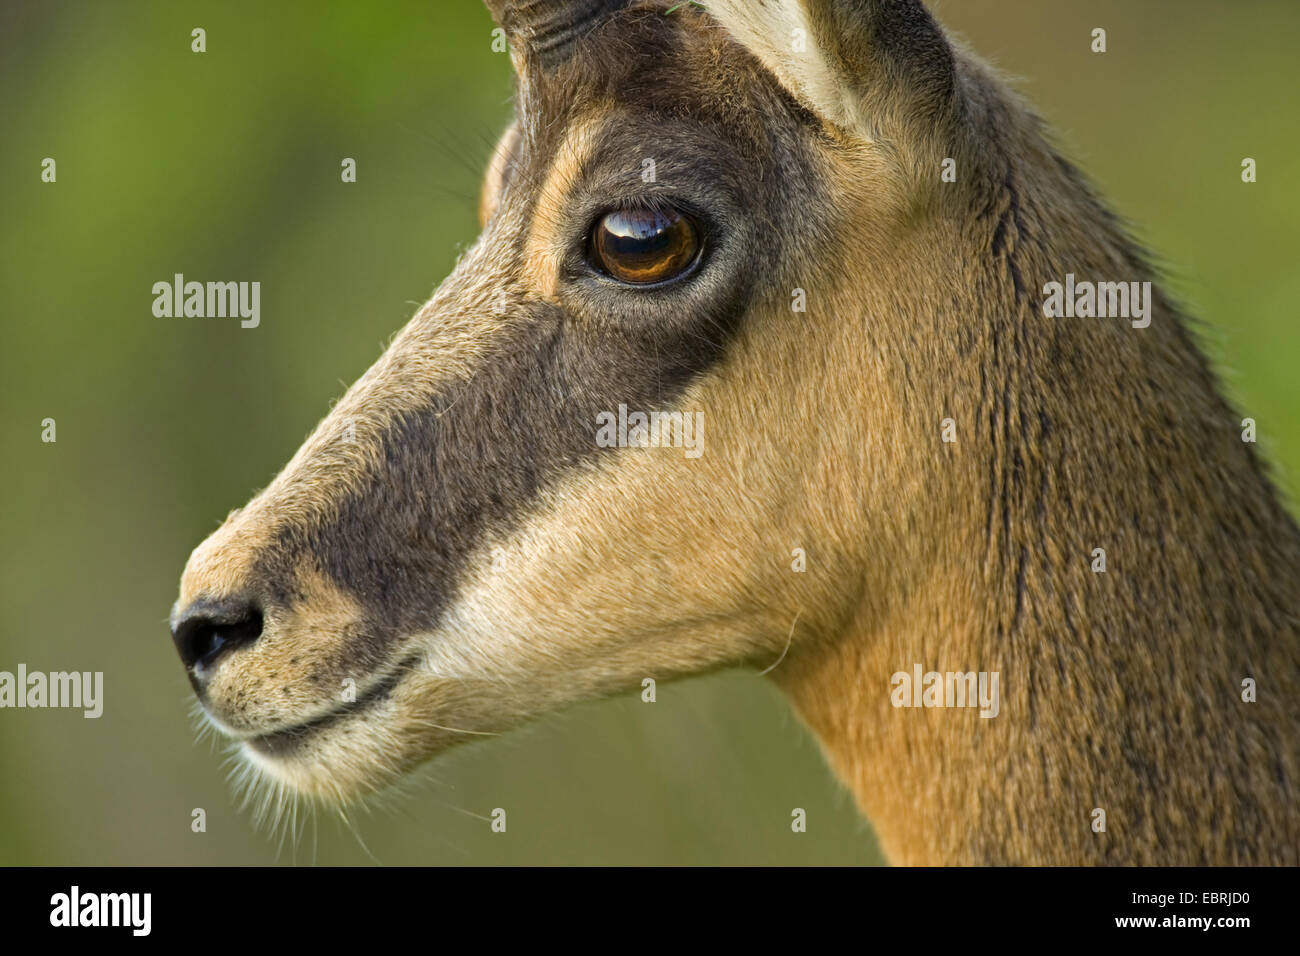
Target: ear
(879,68)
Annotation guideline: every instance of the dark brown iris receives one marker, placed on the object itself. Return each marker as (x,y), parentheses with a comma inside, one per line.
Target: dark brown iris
(643,246)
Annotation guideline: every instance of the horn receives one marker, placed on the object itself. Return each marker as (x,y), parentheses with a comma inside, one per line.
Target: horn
(548,30)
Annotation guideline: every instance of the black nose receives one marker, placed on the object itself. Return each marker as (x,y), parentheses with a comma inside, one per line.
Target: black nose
(209,629)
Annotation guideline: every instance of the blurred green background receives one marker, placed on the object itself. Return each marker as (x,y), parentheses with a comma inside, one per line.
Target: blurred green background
(225,165)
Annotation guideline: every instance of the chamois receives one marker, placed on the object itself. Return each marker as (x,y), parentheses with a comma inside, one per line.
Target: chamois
(830,233)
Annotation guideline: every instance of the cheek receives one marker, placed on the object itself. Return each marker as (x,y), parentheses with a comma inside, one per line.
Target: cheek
(639,553)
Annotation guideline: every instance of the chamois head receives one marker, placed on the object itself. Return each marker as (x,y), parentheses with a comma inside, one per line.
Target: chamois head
(745,272)
(588,459)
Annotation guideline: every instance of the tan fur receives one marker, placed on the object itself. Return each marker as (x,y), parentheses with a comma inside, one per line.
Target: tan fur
(298,671)
(541,253)
(223,562)
(496,170)
(1120,690)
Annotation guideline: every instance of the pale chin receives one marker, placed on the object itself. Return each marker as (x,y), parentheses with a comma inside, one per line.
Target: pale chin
(350,757)
(319,770)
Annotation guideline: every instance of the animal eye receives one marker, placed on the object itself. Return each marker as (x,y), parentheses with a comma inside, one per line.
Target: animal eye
(644,246)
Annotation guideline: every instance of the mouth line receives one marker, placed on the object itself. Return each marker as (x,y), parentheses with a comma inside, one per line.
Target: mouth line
(282,743)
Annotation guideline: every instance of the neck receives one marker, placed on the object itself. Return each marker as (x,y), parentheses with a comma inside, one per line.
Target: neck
(1126,730)
(1122,735)
(1141,719)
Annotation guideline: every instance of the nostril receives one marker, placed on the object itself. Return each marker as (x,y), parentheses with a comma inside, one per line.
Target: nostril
(209,629)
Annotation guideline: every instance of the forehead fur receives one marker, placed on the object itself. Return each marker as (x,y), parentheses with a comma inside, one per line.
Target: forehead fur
(679,65)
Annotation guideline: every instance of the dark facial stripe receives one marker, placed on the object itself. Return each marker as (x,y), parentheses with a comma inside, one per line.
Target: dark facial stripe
(477,458)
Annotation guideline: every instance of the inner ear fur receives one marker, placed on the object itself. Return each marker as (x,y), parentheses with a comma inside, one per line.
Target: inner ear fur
(880,69)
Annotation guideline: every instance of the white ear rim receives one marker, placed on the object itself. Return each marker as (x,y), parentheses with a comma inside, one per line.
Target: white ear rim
(770,30)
